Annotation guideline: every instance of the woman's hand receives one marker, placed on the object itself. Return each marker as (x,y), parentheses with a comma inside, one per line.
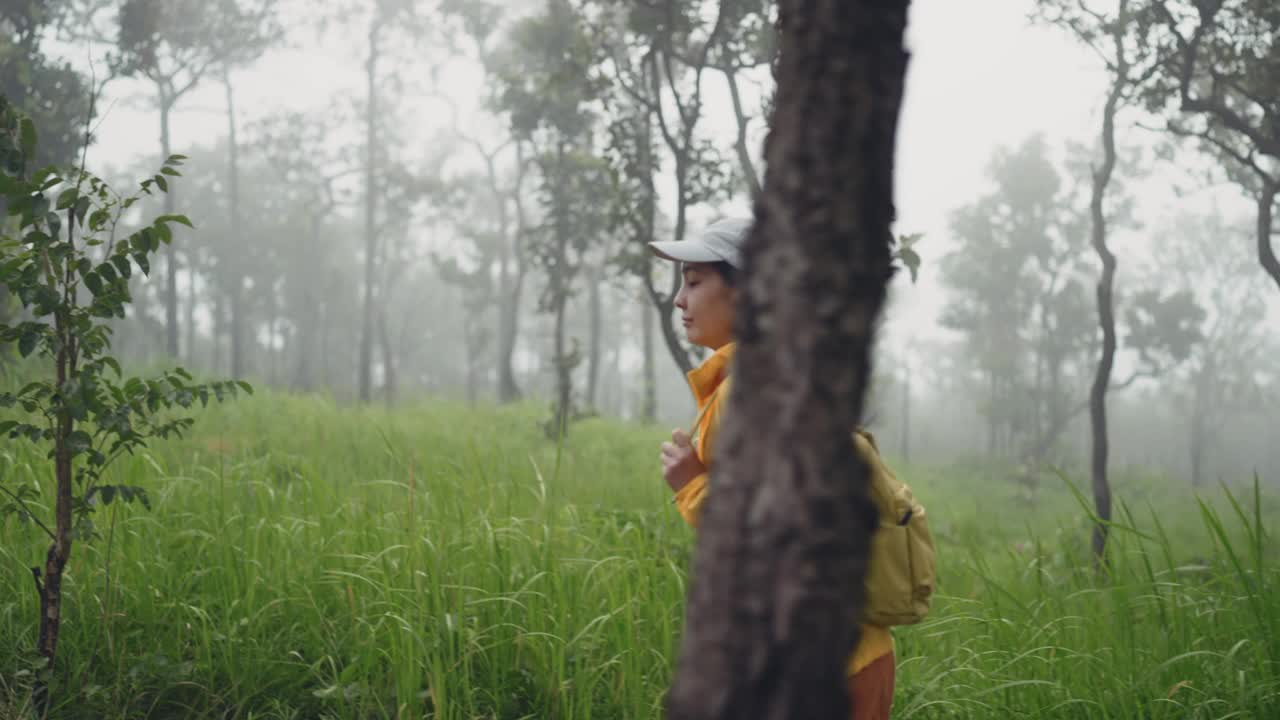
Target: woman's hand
(680,462)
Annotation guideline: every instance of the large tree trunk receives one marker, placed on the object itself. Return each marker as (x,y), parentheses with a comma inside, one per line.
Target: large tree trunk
(170,255)
(1100,441)
(365,381)
(778,574)
(649,402)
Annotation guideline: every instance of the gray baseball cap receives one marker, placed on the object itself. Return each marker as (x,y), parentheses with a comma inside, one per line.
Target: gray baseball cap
(721,241)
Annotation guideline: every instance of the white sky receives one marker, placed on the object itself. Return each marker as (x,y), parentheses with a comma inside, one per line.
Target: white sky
(980,77)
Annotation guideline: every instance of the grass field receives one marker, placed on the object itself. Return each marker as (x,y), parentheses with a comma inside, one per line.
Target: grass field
(307,561)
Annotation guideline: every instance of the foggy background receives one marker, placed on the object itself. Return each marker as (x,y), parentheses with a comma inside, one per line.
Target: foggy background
(979,360)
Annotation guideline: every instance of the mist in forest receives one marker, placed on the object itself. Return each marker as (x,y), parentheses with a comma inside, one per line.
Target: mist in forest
(402,201)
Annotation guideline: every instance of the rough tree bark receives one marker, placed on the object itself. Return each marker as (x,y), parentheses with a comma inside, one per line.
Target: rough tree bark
(783,547)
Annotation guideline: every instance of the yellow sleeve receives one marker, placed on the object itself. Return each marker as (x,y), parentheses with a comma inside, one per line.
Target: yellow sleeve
(690,498)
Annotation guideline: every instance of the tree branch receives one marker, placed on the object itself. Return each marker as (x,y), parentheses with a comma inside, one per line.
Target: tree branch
(27,509)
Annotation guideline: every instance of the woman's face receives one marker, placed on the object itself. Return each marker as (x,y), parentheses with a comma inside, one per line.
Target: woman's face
(706,305)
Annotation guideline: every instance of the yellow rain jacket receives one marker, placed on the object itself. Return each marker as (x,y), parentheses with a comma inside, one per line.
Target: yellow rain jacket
(705,380)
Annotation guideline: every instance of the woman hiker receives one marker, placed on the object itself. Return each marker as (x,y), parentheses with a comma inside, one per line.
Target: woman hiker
(707,298)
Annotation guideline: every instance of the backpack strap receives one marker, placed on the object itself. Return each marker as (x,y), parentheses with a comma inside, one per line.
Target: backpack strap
(702,413)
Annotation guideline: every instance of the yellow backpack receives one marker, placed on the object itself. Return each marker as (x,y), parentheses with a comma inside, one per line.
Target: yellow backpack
(901,574)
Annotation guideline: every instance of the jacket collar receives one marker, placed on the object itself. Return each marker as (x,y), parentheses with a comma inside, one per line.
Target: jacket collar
(705,378)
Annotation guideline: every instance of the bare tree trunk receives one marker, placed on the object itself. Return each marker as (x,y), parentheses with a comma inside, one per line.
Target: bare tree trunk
(273,355)
(559,279)
(1195,443)
(564,371)
(1100,439)
(649,404)
(512,265)
(304,377)
(190,311)
(992,425)
(388,360)
(49,585)
(365,381)
(473,382)
(233,200)
(778,575)
(743,149)
(170,255)
(219,327)
(596,312)
(1266,207)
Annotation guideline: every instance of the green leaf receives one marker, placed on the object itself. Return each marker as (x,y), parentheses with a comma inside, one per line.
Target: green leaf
(143,263)
(245,386)
(67,198)
(27,343)
(166,170)
(180,219)
(108,493)
(122,265)
(911,259)
(108,272)
(162,183)
(113,364)
(94,282)
(10,185)
(46,299)
(7,425)
(79,441)
(82,208)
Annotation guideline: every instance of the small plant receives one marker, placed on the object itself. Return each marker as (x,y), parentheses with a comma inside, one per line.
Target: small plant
(59,256)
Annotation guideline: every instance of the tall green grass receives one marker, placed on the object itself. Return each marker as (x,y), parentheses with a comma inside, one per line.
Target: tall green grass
(307,561)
